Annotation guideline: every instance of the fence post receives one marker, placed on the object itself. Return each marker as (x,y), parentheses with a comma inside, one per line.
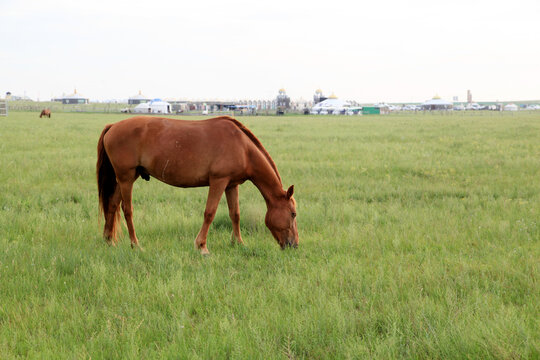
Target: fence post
(3,107)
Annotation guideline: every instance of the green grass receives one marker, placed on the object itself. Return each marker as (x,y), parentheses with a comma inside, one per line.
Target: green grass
(419,238)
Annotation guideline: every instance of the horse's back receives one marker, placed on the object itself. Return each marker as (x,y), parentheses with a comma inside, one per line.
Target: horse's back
(179,152)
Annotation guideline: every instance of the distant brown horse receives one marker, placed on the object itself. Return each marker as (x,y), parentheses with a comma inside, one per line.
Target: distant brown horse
(220,153)
(45,112)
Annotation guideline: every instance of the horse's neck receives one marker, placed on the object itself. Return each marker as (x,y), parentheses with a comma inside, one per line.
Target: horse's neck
(265,179)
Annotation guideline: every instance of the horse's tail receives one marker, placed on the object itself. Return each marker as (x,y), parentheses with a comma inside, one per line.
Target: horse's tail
(106,180)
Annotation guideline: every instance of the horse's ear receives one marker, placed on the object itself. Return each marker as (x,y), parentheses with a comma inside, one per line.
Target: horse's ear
(290,191)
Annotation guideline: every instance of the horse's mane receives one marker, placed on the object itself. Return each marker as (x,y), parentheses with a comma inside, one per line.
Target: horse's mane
(257,143)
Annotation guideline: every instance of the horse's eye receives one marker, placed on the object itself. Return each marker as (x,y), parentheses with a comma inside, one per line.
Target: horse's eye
(293,215)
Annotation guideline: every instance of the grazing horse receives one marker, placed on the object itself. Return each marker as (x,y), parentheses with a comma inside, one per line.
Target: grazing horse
(220,153)
(45,112)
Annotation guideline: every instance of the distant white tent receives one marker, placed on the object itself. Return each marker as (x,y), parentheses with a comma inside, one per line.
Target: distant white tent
(155,106)
(437,104)
(138,99)
(330,105)
(510,107)
(142,108)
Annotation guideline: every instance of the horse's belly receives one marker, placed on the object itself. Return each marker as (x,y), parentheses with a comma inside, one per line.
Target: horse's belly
(191,162)
(178,173)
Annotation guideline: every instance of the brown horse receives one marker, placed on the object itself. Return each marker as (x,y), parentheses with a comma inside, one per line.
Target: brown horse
(220,153)
(45,112)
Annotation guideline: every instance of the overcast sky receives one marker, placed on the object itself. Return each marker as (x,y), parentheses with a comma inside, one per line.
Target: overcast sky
(369,51)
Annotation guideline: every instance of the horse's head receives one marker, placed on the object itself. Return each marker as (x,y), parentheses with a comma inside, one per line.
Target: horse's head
(281,220)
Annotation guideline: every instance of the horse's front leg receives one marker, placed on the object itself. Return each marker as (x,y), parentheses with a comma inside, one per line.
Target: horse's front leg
(217,187)
(126,187)
(234,212)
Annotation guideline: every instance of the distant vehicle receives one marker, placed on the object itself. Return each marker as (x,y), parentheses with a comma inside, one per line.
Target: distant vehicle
(323,112)
(411,108)
(314,112)
(475,106)
(125,110)
(459,107)
(356,110)
(533,107)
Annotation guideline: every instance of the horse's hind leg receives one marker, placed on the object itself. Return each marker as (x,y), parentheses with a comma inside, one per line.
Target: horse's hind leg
(214,195)
(126,188)
(234,213)
(109,231)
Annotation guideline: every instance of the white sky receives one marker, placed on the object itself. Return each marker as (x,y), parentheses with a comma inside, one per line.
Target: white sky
(369,51)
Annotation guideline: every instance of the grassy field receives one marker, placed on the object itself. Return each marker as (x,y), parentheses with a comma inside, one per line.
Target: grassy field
(419,238)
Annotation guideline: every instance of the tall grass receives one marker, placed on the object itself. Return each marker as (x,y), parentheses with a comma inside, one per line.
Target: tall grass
(419,238)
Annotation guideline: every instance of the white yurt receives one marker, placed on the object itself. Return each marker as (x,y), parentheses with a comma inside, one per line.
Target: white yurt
(138,99)
(330,105)
(510,107)
(437,104)
(159,106)
(156,106)
(142,108)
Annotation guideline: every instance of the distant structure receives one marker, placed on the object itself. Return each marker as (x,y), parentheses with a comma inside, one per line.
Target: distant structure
(301,105)
(263,105)
(11,97)
(437,104)
(3,107)
(138,99)
(510,107)
(74,98)
(318,97)
(283,101)
(156,106)
(469,96)
(331,105)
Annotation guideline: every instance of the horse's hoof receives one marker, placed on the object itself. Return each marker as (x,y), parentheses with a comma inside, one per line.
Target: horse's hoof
(204,251)
(137,247)
(235,240)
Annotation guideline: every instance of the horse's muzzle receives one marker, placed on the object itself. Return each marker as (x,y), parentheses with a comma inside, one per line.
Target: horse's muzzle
(289,243)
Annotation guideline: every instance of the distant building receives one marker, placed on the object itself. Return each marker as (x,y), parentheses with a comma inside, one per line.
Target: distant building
(437,104)
(301,105)
(138,99)
(377,109)
(283,101)
(318,97)
(510,107)
(11,97)
(156,106)
(332,105)
(74,98)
